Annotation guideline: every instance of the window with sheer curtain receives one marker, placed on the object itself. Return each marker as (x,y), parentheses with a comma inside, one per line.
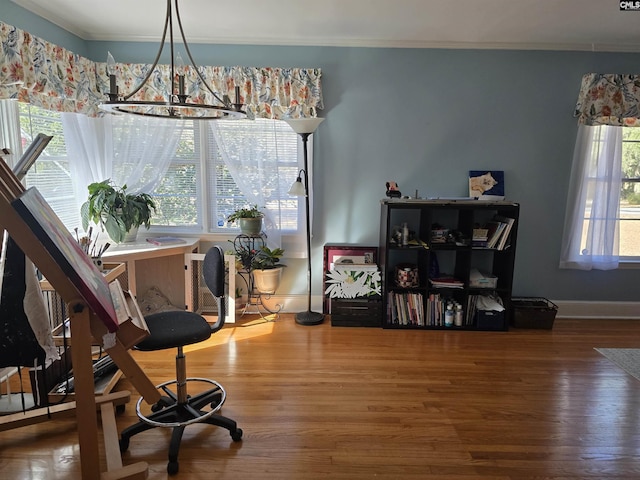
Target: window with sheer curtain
(201,180)
(197,190)
(203,185)
(51,173)
(602,225)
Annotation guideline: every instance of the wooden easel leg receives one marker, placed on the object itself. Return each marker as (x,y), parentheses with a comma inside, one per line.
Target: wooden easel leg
(115,470)
(84,389)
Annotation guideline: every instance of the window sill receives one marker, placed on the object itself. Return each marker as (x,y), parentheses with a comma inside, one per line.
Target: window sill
(629,265)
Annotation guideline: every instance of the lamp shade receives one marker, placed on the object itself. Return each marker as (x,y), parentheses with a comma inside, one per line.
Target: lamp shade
(298,188)
(304,125)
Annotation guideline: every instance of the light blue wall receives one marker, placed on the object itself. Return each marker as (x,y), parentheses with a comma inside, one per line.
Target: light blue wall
(424,118)
(19,17)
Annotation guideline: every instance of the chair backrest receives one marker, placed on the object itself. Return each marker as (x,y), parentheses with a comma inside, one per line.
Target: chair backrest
(213,273)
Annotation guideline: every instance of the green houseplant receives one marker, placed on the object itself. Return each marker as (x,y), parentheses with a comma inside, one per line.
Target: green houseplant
(267,269)
(267,259)
(115,210)
(263,265)
(249,219)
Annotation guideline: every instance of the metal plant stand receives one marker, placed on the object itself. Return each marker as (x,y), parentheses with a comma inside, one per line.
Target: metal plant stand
(246,247)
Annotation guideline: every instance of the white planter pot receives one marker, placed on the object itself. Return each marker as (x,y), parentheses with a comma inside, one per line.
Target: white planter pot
(131,235)
(267,281)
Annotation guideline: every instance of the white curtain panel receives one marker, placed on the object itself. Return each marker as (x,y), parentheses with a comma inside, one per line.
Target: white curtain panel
(89,150)
(591,233)
(249,149)
(130,150)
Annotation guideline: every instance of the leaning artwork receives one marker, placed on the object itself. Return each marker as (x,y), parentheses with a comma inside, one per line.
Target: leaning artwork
(486,184)
(76,264)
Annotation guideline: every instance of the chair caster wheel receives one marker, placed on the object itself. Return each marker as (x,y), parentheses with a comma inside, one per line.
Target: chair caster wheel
(172,468)
(124,444)
(236,435)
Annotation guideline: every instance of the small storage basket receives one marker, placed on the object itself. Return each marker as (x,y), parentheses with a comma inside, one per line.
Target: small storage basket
(533,312)
(407,275)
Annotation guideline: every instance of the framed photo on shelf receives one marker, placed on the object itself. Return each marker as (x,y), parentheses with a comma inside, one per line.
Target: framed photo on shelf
(486,184)
(345,253)
(350,255)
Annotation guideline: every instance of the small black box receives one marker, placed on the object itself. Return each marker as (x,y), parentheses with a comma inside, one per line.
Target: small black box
(490,320)
(356,313)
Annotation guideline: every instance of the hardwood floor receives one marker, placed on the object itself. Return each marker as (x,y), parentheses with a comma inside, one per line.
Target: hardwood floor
(352,403)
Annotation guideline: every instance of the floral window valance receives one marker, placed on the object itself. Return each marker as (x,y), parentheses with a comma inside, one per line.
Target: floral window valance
(609,99)
(35,71)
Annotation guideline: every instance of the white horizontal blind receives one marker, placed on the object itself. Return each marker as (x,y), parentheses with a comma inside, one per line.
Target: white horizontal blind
(280,147)
(179,193)
(50,174)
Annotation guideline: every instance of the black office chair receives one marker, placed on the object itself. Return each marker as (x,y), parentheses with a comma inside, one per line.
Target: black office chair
(175,330)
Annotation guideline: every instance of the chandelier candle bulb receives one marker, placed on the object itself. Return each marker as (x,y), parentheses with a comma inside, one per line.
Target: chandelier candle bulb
(113,88)
(111,70)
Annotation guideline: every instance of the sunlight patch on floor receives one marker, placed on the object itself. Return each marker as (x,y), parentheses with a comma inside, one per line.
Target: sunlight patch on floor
(233,333)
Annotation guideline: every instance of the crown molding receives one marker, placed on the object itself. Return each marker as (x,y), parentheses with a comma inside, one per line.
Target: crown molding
(61,20)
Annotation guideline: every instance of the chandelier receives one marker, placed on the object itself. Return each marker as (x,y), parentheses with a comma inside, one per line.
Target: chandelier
(177,104)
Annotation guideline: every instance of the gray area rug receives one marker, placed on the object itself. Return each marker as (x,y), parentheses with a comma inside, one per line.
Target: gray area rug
(627,359)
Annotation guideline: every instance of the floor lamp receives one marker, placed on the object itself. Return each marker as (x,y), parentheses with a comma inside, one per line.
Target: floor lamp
(305,127)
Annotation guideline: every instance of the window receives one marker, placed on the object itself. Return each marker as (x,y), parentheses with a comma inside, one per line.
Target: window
(50,174)
(630,194)
(602,227)
(198,192)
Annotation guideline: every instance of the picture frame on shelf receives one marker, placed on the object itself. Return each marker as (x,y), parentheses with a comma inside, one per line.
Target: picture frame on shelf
(486,184)
(355,254)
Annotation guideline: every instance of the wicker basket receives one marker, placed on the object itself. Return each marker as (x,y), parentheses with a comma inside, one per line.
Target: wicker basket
(533,312)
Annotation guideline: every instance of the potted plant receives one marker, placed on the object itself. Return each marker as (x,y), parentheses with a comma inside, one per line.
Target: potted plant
(249,219)
(267,269)
(116,211)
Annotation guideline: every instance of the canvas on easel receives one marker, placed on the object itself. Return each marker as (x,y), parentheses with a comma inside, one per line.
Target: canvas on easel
(50,231)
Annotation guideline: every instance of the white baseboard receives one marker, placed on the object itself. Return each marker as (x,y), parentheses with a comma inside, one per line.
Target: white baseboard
(566,308)
(292,303)
(600,310)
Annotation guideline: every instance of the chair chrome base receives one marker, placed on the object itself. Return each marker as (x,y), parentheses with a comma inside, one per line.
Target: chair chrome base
(193,413)
(169,412)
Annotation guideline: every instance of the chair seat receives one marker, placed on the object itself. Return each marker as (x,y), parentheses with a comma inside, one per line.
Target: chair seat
(174,329)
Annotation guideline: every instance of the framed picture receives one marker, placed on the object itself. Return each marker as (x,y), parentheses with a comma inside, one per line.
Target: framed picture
(359,256)
(486,184)
(345,253)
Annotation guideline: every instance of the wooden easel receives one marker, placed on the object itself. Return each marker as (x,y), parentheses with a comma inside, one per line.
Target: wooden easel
(87,328)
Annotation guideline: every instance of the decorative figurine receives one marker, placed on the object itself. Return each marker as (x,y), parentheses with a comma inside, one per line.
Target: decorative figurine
(392,190)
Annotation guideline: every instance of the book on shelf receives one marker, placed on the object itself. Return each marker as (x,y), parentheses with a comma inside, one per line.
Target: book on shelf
(508,222)
(479,237)
(495,228)
(446,282)
(406,309)
(165,240)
